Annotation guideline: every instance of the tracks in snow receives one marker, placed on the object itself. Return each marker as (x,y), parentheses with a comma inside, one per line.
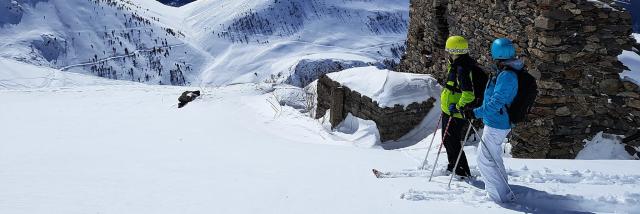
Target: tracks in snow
(537,201)
(64,68)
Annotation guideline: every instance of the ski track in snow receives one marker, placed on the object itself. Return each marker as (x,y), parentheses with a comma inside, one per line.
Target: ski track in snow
(67,67)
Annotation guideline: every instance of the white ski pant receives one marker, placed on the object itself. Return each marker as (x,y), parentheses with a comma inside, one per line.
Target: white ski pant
(491,165)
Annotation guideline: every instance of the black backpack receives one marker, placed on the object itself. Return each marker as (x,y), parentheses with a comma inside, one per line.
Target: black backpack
(525,98)
(479,81)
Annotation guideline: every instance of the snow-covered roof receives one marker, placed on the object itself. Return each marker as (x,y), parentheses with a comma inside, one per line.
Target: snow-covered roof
(386,87)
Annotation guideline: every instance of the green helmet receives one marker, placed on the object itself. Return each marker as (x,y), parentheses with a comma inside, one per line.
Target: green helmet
(457,45)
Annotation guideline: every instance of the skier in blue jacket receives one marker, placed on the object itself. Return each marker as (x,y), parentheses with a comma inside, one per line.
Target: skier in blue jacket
(499,94)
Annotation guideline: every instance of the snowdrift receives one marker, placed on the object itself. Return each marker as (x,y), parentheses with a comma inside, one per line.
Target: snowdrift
(388,88)
(604,147)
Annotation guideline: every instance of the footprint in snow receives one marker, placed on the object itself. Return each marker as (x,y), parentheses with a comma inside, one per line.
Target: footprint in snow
(530,200)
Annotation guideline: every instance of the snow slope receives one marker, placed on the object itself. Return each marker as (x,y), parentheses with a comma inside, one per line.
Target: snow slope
(20,75)
(206,42)
(126,148)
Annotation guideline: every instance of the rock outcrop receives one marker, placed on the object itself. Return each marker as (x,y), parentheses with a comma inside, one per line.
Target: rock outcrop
(570,46)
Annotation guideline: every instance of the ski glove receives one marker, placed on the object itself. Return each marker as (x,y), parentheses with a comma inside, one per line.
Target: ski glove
(468,114)
(453,109)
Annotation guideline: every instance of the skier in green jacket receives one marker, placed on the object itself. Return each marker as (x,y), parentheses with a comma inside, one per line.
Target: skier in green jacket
(457,93)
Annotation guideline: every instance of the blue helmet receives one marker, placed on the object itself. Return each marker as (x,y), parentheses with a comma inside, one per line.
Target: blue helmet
(502,48)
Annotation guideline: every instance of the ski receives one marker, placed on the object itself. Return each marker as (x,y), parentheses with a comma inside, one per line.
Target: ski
(409,173)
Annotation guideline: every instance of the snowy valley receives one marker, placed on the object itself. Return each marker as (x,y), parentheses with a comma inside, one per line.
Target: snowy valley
(90,124)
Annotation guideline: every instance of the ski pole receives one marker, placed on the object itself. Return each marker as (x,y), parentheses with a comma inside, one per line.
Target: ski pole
(455,167)
(504,177)
(446,132)
(424,163)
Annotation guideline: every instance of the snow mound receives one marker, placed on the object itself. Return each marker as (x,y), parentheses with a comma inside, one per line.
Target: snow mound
(386,87)
(604,147)
(358,132)
(297,98)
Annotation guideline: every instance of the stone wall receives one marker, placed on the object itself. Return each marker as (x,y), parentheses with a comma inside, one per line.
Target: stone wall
(571,47)
(392,123)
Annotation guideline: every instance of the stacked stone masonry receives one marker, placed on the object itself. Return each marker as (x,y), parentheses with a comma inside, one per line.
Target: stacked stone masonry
(392,123)
(571,47)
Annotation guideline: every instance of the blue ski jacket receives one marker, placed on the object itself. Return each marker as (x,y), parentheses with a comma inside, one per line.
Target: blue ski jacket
(500,92)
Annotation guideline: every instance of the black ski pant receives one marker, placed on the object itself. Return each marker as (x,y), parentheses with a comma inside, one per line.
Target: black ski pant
(452,142)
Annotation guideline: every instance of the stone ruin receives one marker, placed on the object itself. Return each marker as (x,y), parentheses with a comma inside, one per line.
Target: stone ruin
(570,46)
(392,123)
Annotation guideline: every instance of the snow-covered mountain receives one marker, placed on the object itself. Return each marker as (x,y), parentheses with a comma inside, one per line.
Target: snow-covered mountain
(107,38)
(205,42)
(266,40)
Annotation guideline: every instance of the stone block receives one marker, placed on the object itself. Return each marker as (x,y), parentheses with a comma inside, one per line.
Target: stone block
(545,23)
(634,103)
(610,86)
(551,41)
(549,85)
(563,111)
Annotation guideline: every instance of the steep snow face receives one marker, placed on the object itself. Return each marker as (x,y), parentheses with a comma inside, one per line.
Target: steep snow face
(107,38)
(265,40)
